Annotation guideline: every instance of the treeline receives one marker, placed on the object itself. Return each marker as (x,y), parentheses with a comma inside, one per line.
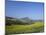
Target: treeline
(13,22)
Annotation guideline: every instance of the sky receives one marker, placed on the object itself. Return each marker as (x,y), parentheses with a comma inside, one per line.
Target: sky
(20,9)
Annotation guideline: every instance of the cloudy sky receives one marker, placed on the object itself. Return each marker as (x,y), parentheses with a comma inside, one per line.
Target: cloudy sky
(20,9)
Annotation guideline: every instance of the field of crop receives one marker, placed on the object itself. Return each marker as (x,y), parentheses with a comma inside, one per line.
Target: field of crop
(33,28)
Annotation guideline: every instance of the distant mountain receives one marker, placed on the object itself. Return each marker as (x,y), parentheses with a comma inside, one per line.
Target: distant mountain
(25,19)
(38,20)
(9,17)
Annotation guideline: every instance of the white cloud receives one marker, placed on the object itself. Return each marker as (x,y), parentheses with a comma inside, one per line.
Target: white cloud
(29,0)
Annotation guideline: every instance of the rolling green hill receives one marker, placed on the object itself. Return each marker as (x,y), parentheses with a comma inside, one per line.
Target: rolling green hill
(23,25)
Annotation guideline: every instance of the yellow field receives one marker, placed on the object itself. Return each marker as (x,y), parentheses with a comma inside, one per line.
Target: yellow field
(33,28)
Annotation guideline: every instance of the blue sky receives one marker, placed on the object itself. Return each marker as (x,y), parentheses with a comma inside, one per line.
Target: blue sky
(19,9)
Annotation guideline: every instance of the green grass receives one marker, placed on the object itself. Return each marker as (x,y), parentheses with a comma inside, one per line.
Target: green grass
(36,27)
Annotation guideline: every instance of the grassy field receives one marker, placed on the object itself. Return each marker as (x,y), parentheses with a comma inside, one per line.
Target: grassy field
(33,28)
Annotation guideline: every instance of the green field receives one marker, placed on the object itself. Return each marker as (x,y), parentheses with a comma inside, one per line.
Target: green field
(32,28)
